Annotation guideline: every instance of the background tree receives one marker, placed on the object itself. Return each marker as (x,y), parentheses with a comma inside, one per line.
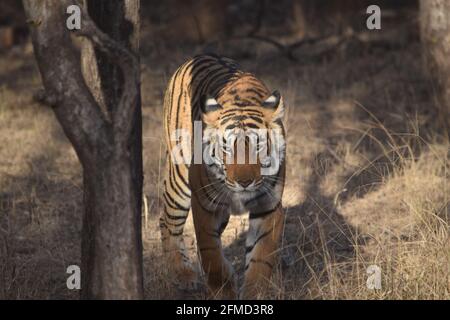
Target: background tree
(198,20)
(101,116)
(435,34)
(12,24)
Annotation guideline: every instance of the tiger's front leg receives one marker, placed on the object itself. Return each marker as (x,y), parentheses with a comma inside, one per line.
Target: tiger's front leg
(177,203)
(208,229)
(262,246)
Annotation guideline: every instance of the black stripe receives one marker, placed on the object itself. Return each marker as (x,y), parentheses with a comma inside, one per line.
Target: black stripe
(175,224)
(243,110)
(220,81)
(173,187)
(172,177)
(260,195)
(253,115)
(242,117)
(224,121)
(223,225)
(264,213)
(172,217)
(175,204)
(224,102)
(181,176)
(265,234)
(273,182)
(219,86)
(203,73)
(231,126)
(174,233)
(172,94)
(199,67)
(239,117)
(210,80)
(252,125)
(181,93)
(263,194)
(257,119)
(243,104)
(258,261)
(256,84)
(255,91)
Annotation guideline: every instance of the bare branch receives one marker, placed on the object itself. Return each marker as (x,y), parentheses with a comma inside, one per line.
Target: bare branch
(75,107)
(129,65)
(286,49)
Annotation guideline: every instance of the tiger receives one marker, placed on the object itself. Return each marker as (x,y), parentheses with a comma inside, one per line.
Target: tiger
(211,97)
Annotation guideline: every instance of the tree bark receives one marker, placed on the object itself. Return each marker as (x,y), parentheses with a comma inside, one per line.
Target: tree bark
(435,35)
(105,133)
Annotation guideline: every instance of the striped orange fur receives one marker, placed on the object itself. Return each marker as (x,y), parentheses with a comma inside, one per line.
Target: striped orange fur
(215,92)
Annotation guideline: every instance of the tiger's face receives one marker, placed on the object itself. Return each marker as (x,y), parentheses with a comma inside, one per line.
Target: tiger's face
(245,143)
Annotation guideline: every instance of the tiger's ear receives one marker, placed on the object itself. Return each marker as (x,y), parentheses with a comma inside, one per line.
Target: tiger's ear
(208,106)
(275,103)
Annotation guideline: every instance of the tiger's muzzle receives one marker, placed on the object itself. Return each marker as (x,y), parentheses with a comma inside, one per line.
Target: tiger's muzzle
(242,176)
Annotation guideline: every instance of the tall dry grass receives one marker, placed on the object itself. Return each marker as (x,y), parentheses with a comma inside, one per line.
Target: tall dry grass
(410,244)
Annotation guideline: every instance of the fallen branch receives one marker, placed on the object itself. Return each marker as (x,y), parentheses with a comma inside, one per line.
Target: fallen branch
(286,49)
(328,43)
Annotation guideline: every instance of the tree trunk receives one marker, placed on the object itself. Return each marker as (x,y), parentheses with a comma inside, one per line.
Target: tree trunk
(435,34)
(120,20)
(103,122)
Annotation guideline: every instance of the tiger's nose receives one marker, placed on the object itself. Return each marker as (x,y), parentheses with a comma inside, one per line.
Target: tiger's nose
(245,183)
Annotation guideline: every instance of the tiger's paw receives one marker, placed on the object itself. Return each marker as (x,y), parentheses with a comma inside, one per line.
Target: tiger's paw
(187,278)
(222,285)
(227,292)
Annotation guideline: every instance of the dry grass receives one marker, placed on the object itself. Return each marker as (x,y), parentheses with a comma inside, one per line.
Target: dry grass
(40,191)
(367,179)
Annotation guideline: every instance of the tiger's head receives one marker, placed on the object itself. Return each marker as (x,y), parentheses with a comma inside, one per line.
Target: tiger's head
(244,138)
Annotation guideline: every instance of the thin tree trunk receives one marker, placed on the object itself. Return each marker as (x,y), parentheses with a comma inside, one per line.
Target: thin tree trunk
(435,34)
(106,134)
(120,20)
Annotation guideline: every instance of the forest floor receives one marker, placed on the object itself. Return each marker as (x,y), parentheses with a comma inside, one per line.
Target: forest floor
(367,177)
